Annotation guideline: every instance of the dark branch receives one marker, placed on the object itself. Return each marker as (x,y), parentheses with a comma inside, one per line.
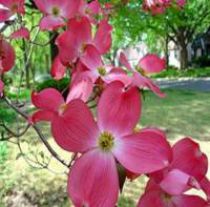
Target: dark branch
(38,131)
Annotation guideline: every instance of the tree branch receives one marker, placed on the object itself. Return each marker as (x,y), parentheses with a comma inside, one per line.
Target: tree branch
(38,131)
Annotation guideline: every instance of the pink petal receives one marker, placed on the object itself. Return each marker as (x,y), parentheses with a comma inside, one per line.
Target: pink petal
(175,182)
(79,33)
(82,27)
(68,52)
(113,76)
(181,3)
(91,58)
(19,4)
(42,115)
(69,8)
(5,14)
(103,39)
(93,180)
(143,82)
(48,99)
(152,199)
(205,185)
(189,159)
(51,23)
(15,6)
(189,201)
(143,152)
(81,90)
(7,60)
(119,109)
(94,7)
(152,64)
(43,6)
(124,61)
(58,70)
(75,130)
(21,33)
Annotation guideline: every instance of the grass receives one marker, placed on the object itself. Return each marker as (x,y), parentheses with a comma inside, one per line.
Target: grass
(181,113)
(191,73)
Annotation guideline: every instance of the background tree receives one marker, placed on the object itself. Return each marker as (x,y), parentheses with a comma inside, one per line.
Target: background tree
(179,26)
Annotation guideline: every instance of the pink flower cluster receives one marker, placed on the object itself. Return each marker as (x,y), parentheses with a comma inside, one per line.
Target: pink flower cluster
(159,6)
(109,140)
(7,53)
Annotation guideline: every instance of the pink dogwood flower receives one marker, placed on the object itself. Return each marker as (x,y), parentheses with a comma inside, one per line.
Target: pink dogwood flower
(156,6)
(149,64)
(90,10)
(156,196)
(187,170)
(80,33)
(56,12)
(11,7)
(97,69)
(106,142)
(7,56)
(159,6)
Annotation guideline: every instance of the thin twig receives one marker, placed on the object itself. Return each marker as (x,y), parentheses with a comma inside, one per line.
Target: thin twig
(13,133)
(39,133)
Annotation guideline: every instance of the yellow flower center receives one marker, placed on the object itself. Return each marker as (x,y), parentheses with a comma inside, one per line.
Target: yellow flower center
(83,47)
(55,11)
(62,108)
(167,198)
(141,71)
(106,141)
(14,8)
(102,71)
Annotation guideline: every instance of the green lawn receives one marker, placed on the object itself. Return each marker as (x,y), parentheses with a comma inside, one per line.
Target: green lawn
(180,114)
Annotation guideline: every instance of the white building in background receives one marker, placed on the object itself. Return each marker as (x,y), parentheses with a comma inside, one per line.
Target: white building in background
(134,53)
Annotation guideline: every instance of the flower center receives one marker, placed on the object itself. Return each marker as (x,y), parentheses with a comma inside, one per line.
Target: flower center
(62,108)
(55,11)
(102,71)
(167,198)
(106,141)
(14,8)
(82,48)
(141,71)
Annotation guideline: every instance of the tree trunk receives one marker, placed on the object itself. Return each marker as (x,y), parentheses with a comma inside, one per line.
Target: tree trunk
(183,57)
(53,47)
(167,51)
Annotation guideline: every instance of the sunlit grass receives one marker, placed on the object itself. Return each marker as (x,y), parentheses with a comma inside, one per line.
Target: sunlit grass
(180,113)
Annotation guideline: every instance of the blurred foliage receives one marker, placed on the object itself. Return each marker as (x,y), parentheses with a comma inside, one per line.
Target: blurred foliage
(202,61)
(4,152)
(132,24)
(6,114)
(60,85)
